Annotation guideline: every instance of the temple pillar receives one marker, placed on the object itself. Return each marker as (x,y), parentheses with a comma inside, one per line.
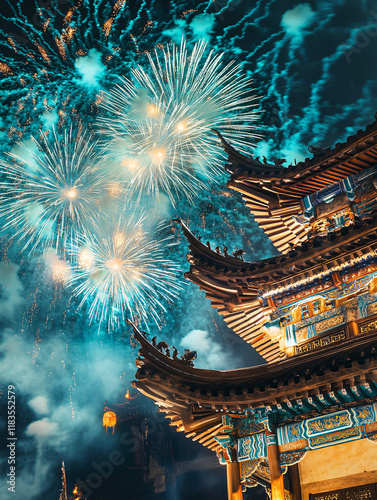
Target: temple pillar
(234,481)
(294,477)
(353,328)
(273,455)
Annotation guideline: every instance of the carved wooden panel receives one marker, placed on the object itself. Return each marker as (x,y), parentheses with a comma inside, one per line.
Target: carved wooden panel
(326,496)
(321,342)
(365,492)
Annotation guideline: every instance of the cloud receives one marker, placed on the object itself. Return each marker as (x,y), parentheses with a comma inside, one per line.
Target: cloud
(41,429)
(3,134)
(39,405)
(90,68)
(202,26)
(210,354)
(52,382)
(290,148)
(11,290)
(158,206)
(294,21)
(49,119)
(25,152)
(178,32)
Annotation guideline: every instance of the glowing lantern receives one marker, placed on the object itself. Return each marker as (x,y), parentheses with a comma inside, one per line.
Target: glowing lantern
(109,419)
(128,396)
(76,493)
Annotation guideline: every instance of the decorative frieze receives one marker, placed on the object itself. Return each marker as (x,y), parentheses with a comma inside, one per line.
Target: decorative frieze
(321,342)
(248,467)
(325,430)
(295,439)
(368,327)
(322,326)
(252,447)
(335,437)
(326,423)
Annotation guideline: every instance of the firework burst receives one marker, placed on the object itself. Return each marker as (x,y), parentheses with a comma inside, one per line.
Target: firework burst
(46,52)
(121,270)
(50,191)
(160,123)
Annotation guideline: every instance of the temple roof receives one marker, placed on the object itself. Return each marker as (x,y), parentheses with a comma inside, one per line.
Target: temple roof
(304,260)
(194,399)
(235,287)
(273,192)
(350,156)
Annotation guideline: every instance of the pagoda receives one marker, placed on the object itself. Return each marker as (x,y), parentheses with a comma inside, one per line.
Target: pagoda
(303,425)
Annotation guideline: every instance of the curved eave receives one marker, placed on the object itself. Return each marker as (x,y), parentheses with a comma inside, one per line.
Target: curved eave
(254,386)
(303,259)
(198,248)
(240,162)
(194,399)
(236,291)
(237,158)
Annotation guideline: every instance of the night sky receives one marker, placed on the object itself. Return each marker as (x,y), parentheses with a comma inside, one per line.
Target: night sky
(314,70)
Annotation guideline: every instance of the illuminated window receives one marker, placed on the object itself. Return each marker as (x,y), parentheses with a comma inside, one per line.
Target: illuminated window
(329,303)
(316,307)
(305,313)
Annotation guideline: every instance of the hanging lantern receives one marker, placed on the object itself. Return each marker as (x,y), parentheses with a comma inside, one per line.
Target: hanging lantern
(128,395)
(109,419)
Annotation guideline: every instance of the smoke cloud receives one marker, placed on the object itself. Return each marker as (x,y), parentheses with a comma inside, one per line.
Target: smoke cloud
(39,405)
(10,291)
(202,26)
(296,20)
(210,354)
(90,68)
